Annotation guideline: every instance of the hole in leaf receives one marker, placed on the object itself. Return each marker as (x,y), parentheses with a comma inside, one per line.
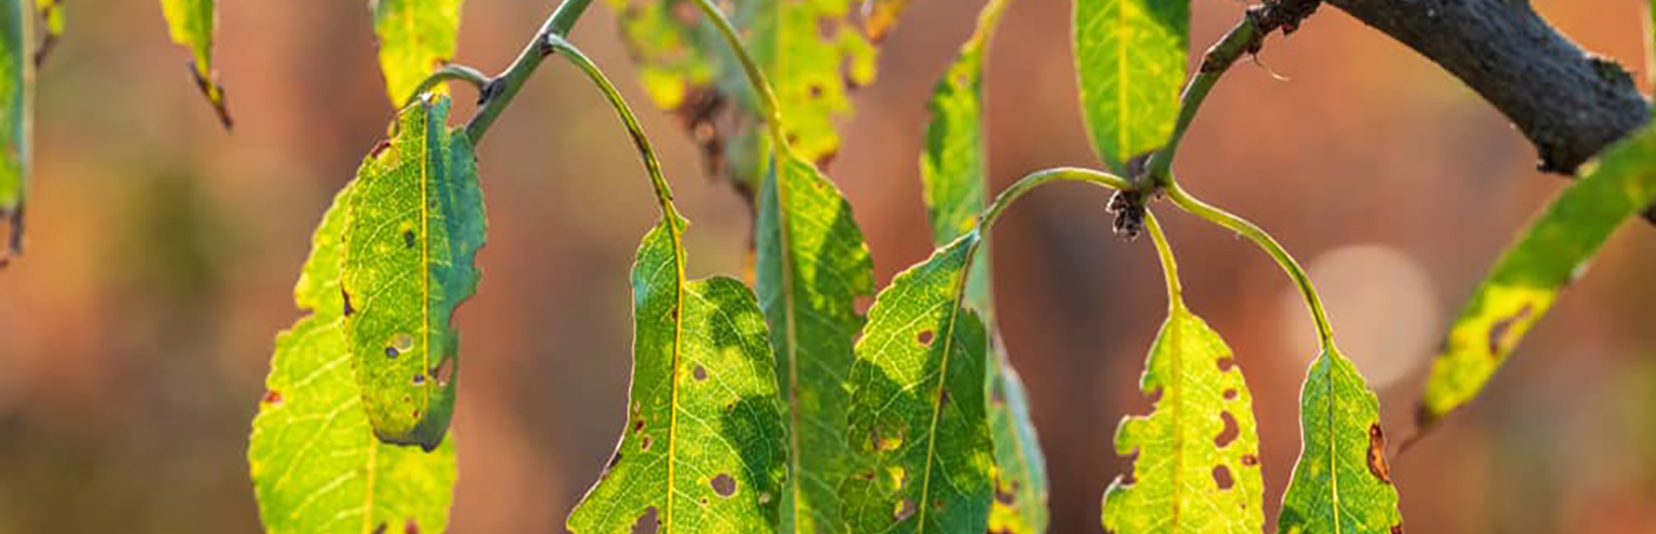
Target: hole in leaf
(408,238)
(1250,460)
(444,371)
(1230,394)
(1498,331)
(1225,364)
(347,296)
(638,425)
(1377,454)
(1230,432)
(273,397)
(391,352)
(1222,477)
(419,379)
(861,304)
(700,373)
(904,510)
(1397,529)
(724,485)
(647,523)
(644,445)
(1130,470)
(925,338)
(411,527)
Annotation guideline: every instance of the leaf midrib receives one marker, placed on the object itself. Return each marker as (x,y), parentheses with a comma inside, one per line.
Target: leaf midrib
(959,294)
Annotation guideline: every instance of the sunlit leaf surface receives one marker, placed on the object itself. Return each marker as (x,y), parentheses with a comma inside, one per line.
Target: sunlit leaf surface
(193,23)
(415,37)
(1342,483)
(16,79)
(1130,55)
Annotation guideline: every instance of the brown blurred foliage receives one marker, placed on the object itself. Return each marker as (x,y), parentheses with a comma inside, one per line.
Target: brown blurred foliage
(135,335)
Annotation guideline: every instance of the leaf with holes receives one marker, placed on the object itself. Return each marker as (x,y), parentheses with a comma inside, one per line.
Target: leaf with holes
(953,172)
(1523,284)
(192,24)
(412,230)
(1342,482)
(702,450)
(1130,57)
(1197,453)
(316,465)
(16,107)
(811,53)
(919,426)
(812,265)
(415,38)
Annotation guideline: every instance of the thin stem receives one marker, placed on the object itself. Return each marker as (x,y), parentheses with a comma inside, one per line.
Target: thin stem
(1325,333)
(504,87)
(652,165)
(756,78)
(1036,179)
(450,72)
(1170,268)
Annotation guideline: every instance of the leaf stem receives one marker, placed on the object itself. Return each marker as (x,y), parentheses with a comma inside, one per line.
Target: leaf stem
(1170,267)
(652,165)
(1325,333)
(755,77)
(501,89)
(450,72)
(1036,179)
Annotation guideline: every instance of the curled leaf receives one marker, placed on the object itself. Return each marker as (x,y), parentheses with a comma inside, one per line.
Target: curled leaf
(193,23)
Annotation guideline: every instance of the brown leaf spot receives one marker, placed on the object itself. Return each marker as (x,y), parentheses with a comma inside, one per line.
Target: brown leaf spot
(1230,394)
(1225,364)
(700,373)
(644,444)
(411,527)
(1377,454)
(925,338)
(1250,460)
(1230,432)
(905,509)
(347,296)
(1498,331)
(273,397)
(724,485)
(408,238)
(1397,529)
(1222,477)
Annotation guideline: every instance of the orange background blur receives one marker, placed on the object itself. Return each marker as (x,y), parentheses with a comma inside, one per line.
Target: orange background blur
(136,333)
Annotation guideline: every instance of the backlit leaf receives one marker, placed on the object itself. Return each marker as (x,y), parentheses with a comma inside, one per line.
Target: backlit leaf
(16,108)
(810,51)
(317,467)
(812,265)
(1130,56)
(51,14)
(918,421)
(1197,453)
(415,38)
(413,227)
(1342,482)
(954,173)
(1554,251)
(193,23)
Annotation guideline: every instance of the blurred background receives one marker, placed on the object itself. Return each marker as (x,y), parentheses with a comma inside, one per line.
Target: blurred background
(136,333)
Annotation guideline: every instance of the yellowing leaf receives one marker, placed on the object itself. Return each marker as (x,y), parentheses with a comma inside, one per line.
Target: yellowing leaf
(412,230)
(1342,482)
(16,109)
(1130,55)
(1555,250)
(415,37)
(193,23)
(918,414)
(316,466)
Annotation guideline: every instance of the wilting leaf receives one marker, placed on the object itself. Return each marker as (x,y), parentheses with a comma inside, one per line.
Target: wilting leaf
(701,452)
(880,16)
(193,23)
(414,225)
(918,421)
(1341,482)
(1555,250)
(1130,55)
(954,173)
(1197,453)
(810,51)
(16,107)
(415,37)
(316,465)
(812,265)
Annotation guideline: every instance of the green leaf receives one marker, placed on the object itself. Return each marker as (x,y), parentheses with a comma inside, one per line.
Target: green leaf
(192,23)
(411,233)
(317,467)
(918,421)
(51,13)
(1130,56)
(1342,482)
(1197,453)
(16,108)
(812,264)
(953,171)
(1554,251)
(415,38)
(810,51)
(701,451)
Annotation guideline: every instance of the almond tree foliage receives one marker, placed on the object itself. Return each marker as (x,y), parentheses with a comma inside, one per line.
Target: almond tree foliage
(780,406)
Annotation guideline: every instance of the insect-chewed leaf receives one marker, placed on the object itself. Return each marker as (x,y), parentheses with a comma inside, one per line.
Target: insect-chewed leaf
(1130,57)
(415,37)
(701,452)
(812,265)
(317,467)
(192,23)
(1554,251)
(810,51)
(16,103)
(1197,453)
(411,232)
(918,421)
(952,170)
(1341,482)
